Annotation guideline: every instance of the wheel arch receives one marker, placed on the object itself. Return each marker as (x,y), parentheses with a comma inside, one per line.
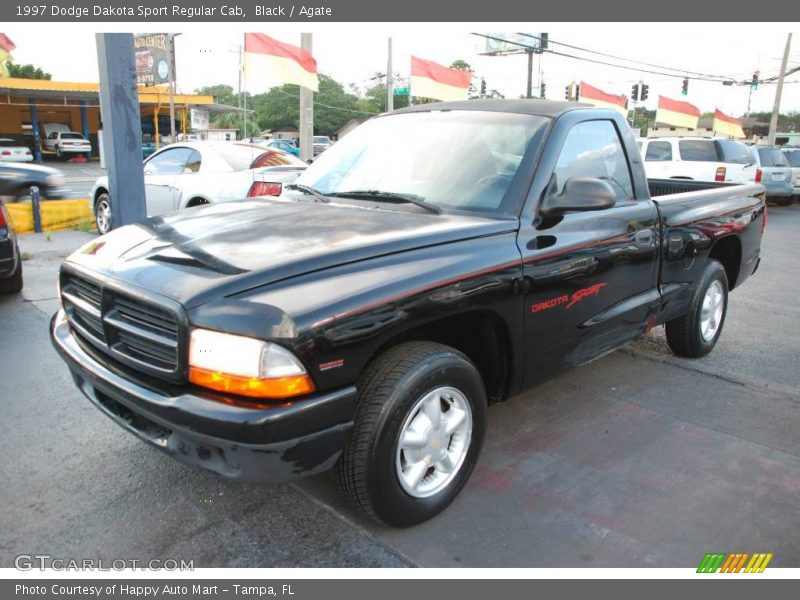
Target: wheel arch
(197,200)
(480,335)
(728,251)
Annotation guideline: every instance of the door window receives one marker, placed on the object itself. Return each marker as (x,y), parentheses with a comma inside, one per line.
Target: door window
(170,162)
(659,151)
(593,149)
(698,150)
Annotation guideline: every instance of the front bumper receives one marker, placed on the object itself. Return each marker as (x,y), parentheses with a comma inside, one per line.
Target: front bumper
(268,443)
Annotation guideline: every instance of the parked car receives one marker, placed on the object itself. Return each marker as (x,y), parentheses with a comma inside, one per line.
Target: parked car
(285,145)
(321,143)
(774,173)
(10,258)
(16,180)
(793,156)
(67,144)
(189,174)
(368,317)
(698,159)
(13,151)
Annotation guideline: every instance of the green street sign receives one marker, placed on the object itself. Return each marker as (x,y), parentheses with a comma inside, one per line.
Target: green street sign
(403,91)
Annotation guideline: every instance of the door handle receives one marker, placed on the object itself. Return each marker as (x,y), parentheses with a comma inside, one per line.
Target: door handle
(643,236)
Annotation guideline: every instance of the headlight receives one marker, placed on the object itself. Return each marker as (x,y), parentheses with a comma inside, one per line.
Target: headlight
(245,366)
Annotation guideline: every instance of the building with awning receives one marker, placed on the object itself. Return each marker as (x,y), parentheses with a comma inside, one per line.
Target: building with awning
(28,107)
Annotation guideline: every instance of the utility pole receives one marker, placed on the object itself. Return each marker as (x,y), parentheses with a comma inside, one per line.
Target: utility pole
(171,74)
(389,81)
(306,109)
(529,91)
(776,107)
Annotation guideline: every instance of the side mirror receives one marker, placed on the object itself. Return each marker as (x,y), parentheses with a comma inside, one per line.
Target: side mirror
(579,194)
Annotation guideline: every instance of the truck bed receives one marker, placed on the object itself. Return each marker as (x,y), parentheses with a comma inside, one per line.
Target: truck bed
(668,187)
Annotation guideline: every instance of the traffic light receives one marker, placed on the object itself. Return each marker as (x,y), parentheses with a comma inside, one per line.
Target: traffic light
(645,92)
(754,83)
(685,88)
(568,92)
(544,40)
(635,92)
(483,87)
(577,92)
(542,89)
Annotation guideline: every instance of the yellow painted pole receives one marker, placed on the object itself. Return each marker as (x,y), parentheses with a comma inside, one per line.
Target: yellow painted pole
(155,124)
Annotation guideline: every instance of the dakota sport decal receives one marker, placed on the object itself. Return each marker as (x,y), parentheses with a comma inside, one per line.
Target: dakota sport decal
(567,299)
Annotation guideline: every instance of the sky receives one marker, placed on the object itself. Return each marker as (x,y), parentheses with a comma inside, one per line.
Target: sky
(354,53)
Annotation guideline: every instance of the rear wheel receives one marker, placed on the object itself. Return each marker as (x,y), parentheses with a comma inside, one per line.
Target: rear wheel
(102,213)
(785,201)
(695,334)
(417,434)
(13,285)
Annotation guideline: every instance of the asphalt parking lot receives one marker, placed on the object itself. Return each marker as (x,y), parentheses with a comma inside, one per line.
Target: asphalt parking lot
(639,459)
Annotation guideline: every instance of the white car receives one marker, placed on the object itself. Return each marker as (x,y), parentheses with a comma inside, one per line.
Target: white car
(65,143)
(13,151)
(189,174)
(697,158)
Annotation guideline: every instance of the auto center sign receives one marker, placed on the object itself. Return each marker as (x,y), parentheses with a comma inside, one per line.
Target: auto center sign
(152,52)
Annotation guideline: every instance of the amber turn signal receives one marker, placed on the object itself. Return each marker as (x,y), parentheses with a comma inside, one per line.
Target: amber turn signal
(252,387)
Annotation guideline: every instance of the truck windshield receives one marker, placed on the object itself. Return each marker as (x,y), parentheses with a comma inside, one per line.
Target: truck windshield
(460,159)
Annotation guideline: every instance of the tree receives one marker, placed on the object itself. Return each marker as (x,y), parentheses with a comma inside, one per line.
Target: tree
(223,94)
(374,100)
(26,72)
(333,107)
(235,120)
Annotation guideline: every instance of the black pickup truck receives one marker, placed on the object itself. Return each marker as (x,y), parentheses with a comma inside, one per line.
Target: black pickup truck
(434,261)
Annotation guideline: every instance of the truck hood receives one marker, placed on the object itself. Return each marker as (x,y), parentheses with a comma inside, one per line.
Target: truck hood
(201,254)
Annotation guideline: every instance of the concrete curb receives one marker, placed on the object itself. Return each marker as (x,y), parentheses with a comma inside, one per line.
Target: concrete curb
(57,215)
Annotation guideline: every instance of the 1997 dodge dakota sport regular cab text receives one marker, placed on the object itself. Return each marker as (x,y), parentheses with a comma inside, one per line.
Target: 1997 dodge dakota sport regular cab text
(436,260)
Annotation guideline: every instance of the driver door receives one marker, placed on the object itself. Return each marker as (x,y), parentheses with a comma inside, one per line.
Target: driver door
(160,173)
(590,275)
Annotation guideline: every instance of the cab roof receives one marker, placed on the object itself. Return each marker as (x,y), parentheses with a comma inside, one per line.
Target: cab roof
(526,106)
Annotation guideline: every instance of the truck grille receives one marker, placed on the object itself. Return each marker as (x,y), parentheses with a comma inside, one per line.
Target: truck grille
(138,332)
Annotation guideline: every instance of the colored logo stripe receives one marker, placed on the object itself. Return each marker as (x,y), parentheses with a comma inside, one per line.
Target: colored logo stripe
(733,563)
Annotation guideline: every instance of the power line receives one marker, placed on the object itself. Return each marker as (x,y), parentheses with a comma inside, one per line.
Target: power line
(682,72)
(317,103)
(714,78)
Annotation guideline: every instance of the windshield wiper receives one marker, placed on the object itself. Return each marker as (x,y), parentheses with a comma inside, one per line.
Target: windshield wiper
(307,189)
(381,196)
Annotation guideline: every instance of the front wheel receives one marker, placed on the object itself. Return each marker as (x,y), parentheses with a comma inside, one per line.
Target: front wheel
(102,213)
(695,334)
(417,433)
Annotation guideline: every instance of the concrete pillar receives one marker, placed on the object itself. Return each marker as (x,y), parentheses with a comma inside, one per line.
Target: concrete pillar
(122,126)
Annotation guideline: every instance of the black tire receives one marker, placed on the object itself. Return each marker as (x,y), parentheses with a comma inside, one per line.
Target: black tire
(389,390)
(13,285)
(684,335)
(785,201)
(102,217)
(59,154)
(23,194)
